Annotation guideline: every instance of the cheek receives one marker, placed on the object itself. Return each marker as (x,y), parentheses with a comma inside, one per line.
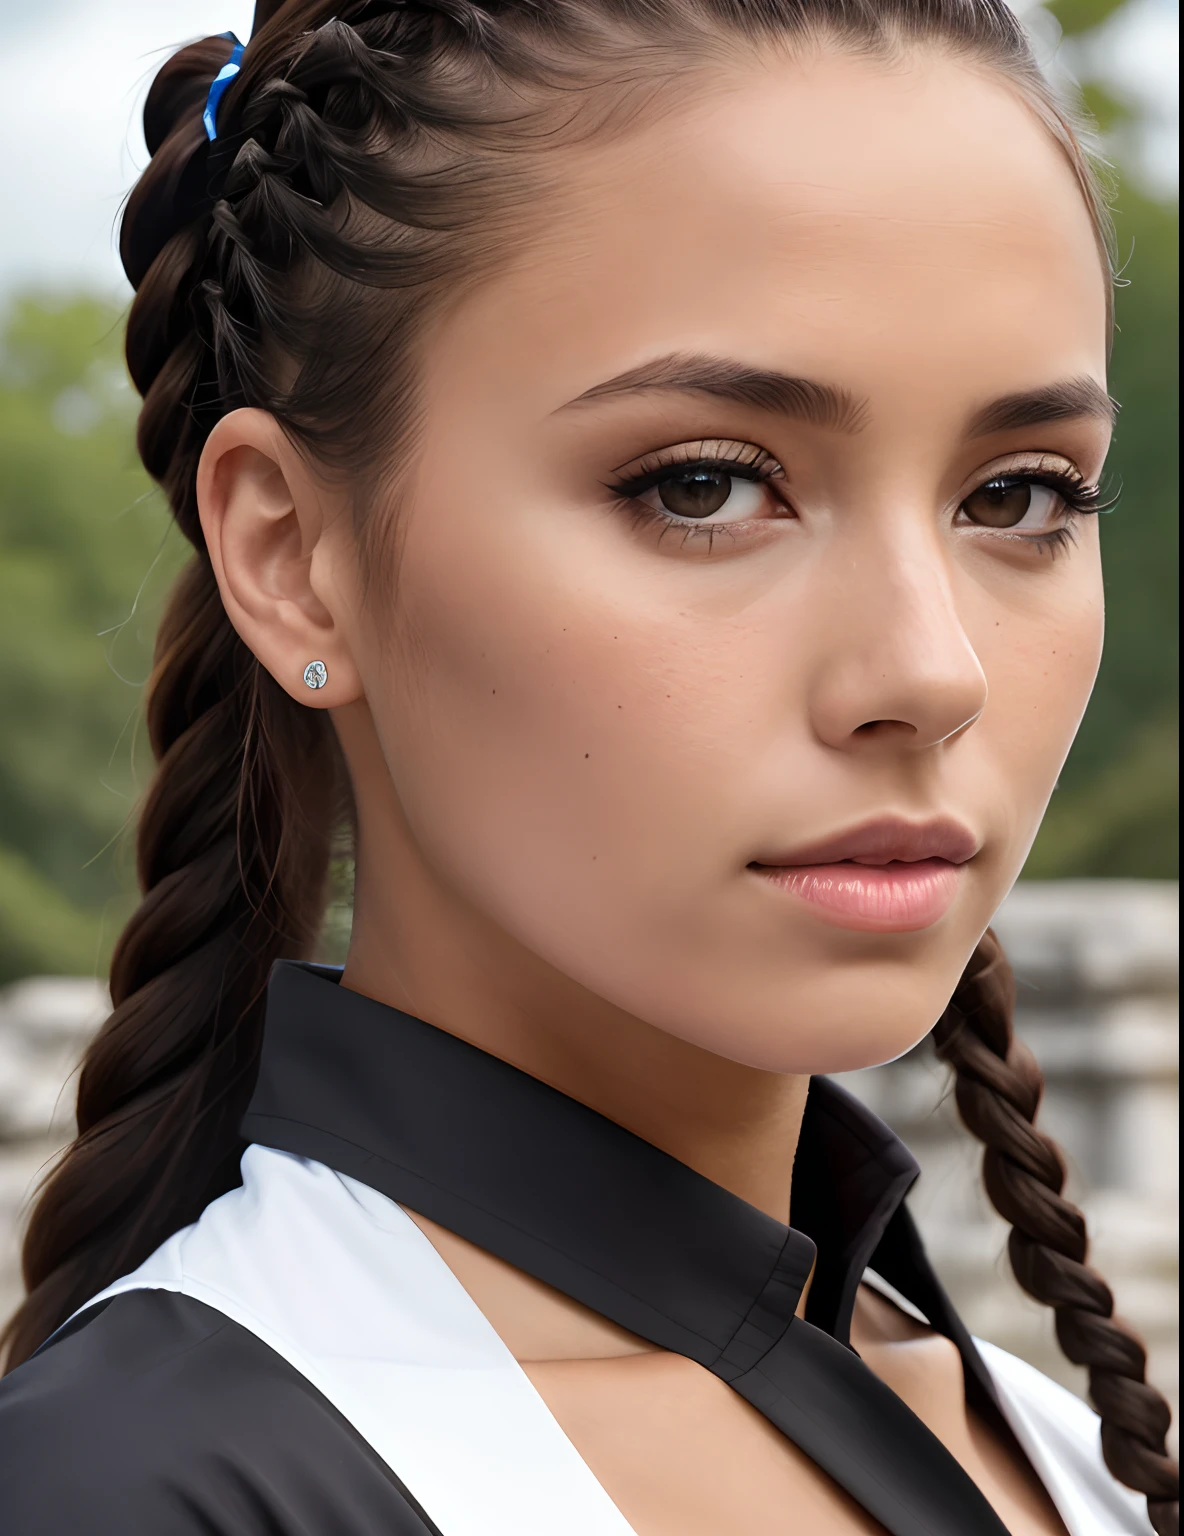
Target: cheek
(559,744)
(1040,664)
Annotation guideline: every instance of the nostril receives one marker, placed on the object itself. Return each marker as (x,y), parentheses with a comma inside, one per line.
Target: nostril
(884,728)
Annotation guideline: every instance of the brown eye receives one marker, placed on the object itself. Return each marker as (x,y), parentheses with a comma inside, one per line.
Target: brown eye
(698,494)
(709,492)
(1010,504)
(724,483)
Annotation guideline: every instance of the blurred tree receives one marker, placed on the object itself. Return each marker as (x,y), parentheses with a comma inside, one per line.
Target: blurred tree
(85,557)
(81,533)
(1077,18)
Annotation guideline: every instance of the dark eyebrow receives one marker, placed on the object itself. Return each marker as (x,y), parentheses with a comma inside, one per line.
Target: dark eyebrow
(823,405)
(1053,402)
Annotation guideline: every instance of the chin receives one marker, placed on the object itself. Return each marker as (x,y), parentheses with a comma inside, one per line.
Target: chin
(819,1025)
(809,1052)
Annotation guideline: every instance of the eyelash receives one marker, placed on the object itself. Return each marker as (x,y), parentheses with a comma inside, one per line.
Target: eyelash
(1080,499)
(755,465)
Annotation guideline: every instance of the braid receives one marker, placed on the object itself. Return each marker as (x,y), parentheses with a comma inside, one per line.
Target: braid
(232,850)
(232,878)
(998,1088)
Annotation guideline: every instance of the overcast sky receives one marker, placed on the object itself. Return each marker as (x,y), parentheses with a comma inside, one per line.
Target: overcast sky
(75,73)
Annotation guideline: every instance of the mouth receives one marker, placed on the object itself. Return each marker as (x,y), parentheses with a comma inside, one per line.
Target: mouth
(886,876)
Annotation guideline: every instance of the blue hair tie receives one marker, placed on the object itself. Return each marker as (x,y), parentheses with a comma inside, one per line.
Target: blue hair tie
(221,80)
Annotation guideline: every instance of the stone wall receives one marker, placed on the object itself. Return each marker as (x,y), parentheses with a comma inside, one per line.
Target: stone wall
(1098,972)
(45,1023)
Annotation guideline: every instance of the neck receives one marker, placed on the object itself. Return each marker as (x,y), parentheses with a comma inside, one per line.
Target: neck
(416,948)
(420,948)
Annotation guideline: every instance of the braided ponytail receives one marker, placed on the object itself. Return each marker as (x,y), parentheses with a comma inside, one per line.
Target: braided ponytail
(232,852)
(232,855)
(998,1088)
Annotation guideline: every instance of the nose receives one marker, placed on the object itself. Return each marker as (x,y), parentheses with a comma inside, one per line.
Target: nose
(896,668)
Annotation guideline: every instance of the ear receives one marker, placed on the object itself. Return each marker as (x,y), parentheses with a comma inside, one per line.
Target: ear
(273,537)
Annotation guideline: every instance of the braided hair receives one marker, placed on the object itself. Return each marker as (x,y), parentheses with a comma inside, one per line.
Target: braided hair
(361,175)
(998,1087)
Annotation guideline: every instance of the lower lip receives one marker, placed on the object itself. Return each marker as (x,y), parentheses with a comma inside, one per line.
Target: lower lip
(878,898)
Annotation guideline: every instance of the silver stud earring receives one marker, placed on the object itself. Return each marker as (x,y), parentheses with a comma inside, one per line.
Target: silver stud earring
(316,674)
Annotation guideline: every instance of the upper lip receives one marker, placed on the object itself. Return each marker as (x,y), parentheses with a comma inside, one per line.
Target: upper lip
(885,840)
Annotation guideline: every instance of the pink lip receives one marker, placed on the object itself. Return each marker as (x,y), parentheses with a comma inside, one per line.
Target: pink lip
(888,876)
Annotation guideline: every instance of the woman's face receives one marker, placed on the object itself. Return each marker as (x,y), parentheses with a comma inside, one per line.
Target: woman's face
(742,618)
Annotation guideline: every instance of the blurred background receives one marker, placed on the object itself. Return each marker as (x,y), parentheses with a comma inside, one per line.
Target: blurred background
(86,555)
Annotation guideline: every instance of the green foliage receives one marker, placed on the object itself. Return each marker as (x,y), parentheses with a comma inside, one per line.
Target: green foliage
(1105,112)
(81,533)
(1077,16)
(1122,821)
(40,930)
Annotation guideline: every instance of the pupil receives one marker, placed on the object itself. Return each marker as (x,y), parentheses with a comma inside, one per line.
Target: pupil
(697,494)
(1000,503)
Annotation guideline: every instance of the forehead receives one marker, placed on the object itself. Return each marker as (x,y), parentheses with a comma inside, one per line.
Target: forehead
(834,215)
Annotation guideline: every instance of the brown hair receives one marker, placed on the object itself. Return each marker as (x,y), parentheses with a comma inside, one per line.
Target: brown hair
(362,173)
(998,1087)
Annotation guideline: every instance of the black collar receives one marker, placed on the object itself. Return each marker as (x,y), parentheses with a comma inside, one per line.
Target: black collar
(575,1200)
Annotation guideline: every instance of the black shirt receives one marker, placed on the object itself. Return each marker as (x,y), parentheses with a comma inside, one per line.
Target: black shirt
(154,1412)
